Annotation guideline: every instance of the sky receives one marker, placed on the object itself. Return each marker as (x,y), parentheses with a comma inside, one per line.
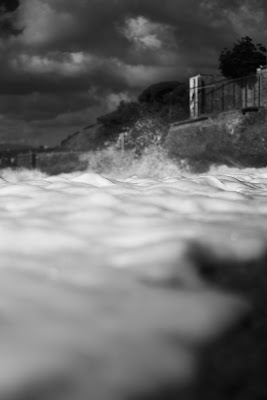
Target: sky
(71,61)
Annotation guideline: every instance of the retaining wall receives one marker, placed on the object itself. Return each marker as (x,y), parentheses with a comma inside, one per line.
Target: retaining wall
(223,137)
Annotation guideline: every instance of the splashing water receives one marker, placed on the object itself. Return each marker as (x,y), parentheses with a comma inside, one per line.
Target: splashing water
(153,163)
(101,291)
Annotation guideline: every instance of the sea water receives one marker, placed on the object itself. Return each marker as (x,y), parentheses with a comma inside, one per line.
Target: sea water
(101,291)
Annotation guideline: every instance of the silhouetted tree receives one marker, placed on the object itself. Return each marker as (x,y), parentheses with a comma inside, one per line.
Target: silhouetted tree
(243,60)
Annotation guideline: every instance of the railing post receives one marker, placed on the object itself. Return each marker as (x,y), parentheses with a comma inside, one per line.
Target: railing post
(195,99)
(203,101)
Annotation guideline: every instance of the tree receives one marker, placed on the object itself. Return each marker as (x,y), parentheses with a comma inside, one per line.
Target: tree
(243,60)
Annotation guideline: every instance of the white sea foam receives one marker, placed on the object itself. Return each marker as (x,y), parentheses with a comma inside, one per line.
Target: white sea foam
(97,274)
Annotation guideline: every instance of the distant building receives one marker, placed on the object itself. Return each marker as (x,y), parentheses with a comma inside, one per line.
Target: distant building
(211,94)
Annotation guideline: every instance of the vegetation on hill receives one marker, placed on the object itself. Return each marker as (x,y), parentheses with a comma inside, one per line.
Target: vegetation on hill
(166,100)
(143,122)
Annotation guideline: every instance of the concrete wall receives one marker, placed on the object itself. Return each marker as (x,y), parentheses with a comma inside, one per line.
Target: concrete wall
(226,138)
(179,137)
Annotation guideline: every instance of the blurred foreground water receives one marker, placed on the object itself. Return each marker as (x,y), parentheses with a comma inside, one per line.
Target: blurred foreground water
(103,289)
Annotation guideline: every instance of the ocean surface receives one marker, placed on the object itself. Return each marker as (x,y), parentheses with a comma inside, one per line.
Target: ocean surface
(103,294)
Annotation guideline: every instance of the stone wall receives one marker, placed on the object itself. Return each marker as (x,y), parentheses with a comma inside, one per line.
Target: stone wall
(226,138)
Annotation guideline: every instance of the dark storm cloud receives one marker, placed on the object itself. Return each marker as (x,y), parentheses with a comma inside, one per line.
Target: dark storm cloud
(81,52)
(93,24)
(54,29)
(7,8)
(40,106)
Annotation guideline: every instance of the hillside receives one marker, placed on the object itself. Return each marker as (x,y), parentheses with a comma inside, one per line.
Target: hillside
(86,139)
(157,106)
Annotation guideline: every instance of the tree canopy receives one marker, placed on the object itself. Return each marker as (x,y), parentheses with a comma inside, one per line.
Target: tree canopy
(243,59)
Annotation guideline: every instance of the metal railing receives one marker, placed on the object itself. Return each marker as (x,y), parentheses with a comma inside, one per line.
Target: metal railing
(32,160)
(226,95)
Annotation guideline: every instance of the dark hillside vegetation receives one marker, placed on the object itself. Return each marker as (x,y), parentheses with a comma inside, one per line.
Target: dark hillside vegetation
(145,121)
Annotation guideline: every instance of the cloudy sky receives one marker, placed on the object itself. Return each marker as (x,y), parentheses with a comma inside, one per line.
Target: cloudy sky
(76,59)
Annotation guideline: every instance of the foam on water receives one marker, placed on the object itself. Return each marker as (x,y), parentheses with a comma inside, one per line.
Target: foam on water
(98,274)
